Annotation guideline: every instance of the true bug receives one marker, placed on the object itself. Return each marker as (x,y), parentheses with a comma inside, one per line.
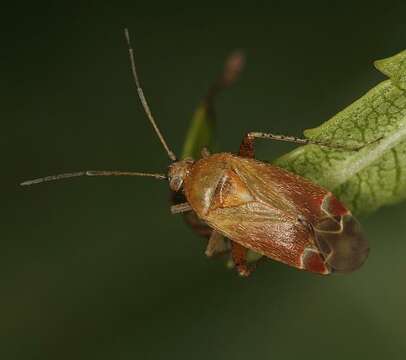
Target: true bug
(256,205)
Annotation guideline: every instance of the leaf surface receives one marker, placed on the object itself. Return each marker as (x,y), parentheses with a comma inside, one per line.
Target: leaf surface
(375,175)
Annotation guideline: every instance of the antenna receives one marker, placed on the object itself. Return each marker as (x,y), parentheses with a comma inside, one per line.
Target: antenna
(91,173)
(143,99)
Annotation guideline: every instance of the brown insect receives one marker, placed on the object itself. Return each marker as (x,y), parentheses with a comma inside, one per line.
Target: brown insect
(249,204)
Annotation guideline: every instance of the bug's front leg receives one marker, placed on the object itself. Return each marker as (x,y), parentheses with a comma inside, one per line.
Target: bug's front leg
(239,256)
(180,208)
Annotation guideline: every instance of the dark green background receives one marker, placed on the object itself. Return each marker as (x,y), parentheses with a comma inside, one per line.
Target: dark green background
(98,268)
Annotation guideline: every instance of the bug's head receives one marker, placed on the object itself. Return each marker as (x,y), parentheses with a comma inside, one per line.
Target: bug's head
(177,173)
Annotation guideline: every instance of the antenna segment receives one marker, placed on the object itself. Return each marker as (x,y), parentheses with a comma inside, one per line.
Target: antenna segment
(91,173)
(143,99)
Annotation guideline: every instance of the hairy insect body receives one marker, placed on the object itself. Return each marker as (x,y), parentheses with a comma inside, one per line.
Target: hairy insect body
(275,213)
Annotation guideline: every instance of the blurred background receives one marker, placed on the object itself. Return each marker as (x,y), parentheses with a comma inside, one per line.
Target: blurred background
(97,268)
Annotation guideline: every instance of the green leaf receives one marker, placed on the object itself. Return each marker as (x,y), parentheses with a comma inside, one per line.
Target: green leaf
(376,174)
(200,133)
(395,68)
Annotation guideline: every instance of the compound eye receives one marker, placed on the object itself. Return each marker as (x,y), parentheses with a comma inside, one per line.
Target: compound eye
(342,243)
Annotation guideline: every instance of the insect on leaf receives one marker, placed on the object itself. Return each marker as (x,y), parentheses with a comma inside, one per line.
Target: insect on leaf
(375,175)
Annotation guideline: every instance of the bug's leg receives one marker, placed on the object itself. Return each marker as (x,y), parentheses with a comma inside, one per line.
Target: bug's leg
(247,144)
(217,244)
(205,152)
(180,208)
(239,255)
(247,147)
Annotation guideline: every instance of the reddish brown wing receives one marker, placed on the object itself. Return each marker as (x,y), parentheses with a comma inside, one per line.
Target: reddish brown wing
(272,222)
(257,227)
(279,189)
(275,213)
(254,204)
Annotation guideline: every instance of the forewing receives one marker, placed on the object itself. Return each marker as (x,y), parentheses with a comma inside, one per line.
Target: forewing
(264,229)
(278,188)
(267,209)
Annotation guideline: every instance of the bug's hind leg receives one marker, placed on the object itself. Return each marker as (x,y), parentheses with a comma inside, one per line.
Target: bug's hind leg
(247,144)
(239,256)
